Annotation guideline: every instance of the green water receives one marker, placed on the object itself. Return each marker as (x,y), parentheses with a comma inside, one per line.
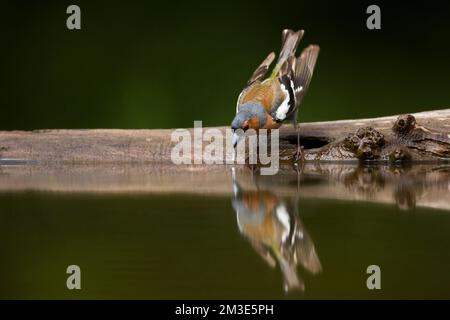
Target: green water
(189,246)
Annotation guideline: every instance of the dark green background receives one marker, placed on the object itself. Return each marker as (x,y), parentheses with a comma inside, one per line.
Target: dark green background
(140,64)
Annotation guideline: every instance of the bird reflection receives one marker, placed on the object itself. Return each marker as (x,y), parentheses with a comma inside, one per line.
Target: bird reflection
(274,230)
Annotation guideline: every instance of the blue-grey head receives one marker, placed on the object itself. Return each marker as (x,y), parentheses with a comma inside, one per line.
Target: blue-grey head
(251,115)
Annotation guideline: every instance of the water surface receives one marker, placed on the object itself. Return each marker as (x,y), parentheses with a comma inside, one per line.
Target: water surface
(156,232)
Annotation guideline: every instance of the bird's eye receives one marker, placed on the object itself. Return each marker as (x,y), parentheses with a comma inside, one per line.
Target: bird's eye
(245,127)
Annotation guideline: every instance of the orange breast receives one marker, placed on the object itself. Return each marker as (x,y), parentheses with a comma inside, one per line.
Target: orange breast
(270,124)
(265,230)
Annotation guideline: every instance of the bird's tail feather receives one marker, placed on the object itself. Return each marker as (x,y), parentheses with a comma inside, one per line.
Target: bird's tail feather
(290,277)
(289,43)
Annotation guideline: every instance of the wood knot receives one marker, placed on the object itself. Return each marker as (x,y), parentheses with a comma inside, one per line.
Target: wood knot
(399,154)
(404,124)
(366,143)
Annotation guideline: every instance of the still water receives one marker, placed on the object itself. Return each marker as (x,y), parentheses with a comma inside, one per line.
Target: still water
(159,232)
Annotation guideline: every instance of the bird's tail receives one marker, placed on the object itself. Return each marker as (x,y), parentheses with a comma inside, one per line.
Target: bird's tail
(289,43)
(290,278)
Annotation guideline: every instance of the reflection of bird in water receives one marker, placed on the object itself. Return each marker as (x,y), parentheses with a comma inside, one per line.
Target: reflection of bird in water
(276,233)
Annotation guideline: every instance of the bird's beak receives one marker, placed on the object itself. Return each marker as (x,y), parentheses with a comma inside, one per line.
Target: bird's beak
(236,138)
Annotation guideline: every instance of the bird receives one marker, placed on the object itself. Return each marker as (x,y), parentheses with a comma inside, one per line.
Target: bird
(275,231)
(266,103)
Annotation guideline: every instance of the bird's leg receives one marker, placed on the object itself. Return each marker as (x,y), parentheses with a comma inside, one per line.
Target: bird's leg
(298,169)
(299,154)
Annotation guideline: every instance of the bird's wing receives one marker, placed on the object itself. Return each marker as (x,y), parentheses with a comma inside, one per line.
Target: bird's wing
(304,68)
(294,78)
(262,69)
(298,246)
(303,247)
(307,256)
(255,80)
(262,92)
(285,103)
(289,44)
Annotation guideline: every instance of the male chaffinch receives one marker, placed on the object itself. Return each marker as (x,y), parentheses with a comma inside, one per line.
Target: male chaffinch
(276,233)
(266,104)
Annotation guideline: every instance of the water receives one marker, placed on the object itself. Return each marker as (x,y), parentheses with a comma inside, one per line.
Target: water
(162,232)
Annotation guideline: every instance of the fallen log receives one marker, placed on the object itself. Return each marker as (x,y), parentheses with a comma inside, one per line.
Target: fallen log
(422,136)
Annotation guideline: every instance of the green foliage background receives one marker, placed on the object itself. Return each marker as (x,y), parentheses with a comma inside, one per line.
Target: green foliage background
(138,64)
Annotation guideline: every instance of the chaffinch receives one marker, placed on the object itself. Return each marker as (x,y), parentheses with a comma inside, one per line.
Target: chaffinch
(274,230)
(267,103)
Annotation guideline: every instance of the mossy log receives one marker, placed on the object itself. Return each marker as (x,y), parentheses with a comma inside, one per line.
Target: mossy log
(422,136)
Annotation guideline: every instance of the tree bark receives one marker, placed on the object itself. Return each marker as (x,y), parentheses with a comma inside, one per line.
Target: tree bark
(423,136)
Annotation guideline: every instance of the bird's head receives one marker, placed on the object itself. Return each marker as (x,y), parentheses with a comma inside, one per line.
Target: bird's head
(251,115)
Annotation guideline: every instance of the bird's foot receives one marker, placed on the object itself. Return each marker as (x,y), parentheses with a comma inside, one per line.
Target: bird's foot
(299,155)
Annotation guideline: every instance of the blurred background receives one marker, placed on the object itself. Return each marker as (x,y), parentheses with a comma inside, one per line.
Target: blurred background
(142,64)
